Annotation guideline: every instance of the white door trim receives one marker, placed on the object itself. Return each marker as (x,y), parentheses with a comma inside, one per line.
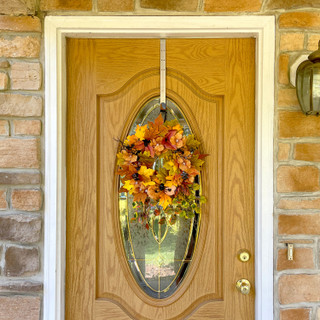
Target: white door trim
(56,31)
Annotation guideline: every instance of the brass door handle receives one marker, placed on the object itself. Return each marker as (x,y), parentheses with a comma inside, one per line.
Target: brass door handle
(244,286)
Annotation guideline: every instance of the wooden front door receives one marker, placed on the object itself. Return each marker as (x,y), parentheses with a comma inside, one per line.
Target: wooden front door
(108,81)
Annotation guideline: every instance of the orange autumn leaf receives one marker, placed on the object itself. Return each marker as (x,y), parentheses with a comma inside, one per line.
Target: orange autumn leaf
(141,196)
(158,126)
(164,200)
(131,140)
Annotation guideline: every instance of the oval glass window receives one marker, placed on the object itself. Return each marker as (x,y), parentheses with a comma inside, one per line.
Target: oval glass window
(159,256)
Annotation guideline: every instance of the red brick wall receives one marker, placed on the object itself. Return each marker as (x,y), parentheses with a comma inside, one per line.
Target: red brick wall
(296,141)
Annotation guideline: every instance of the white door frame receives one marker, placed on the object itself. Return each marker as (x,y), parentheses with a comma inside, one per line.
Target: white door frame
(56,31)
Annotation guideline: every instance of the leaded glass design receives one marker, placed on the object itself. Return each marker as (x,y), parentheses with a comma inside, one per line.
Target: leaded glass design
(159,257)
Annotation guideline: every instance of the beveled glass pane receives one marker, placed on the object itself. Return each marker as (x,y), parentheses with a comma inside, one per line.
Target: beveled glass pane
(159,256)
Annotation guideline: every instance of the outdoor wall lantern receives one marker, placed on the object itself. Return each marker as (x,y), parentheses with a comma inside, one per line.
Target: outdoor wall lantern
(308,84)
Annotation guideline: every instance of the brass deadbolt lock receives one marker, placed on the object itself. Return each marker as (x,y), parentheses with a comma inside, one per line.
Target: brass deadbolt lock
(244,255)
(243,286)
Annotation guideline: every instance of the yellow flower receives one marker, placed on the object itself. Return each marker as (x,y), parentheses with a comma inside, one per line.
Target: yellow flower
(164,200)
(149,183)
(144,171)
(128,185)
(171,167)
(170,181)
(140,131)
(177,127)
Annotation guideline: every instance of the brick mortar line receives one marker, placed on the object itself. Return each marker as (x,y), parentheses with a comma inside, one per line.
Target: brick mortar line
(12,118)
(153,12)
(297,272)
(314,313)
(301,236)
(13,60)
(285,85)
(300,52)
(14,294)
(37,93)
(11,35)
(19,137)
(19,186)
(316,254)
(297,194)
(23,294)
(28,245)
(296,211)
(288,108)
(302,197)
(297,163)
(281,245)
(298,305)
(200,7)
(7,213)
(263,10)
(300,163)
(136,5)
(11,211)
(298,140)
(94,6)
(18,280)
(16,136)
(305,40)
(19,170)
(303,30)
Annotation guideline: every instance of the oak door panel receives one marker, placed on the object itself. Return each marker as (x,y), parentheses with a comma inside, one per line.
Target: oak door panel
(109,80)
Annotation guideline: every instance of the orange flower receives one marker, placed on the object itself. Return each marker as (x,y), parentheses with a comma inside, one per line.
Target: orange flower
(184,164)
(170,191)
(178,140)
(128,156)
(158,146)
(153,192)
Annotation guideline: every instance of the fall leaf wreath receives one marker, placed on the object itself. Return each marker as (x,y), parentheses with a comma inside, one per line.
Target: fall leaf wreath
(159,166)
